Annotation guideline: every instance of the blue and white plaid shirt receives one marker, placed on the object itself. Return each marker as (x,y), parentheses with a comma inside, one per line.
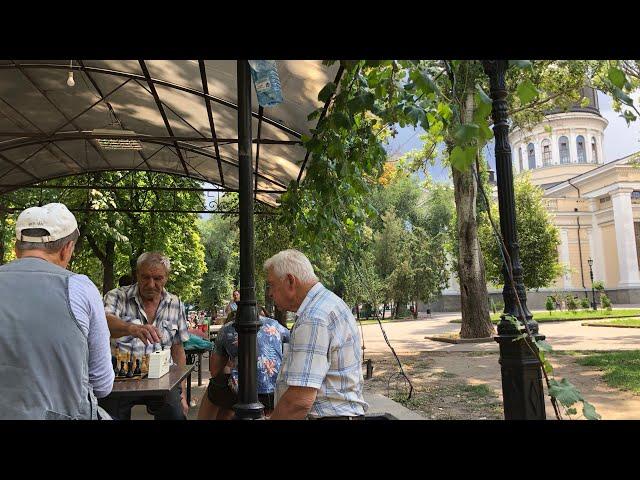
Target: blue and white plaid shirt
(324,353)
(170,321)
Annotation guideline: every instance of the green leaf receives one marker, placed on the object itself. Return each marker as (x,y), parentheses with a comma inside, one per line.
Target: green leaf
(526,91)
(521,63)
(314,114)
(617,77)
(623,97)
(484,98)
(415,113)
(485,132)
(466,132)
(544,346)
(462,158)
(327,91)
(628,116)
(565,392)
(589,411)
(341,120)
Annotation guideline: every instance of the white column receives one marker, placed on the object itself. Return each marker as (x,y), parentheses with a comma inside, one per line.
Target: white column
(555,152)
(587,145)
(597,249)
(573,151)
(587,277)
(600,147)
(537,147)
(625,238)
(564,257)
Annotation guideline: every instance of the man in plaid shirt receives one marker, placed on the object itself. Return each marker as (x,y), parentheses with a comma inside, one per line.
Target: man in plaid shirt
(321,374)
(145,317)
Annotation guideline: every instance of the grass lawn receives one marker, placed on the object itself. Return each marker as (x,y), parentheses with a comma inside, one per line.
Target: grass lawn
(621,369)
(621,322)
(541,316)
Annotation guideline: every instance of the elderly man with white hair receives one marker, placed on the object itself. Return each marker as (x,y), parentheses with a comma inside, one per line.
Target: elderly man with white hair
(321,374)
(145,316)
(54,340)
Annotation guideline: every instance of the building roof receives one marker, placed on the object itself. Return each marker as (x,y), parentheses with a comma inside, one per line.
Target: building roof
(171,116)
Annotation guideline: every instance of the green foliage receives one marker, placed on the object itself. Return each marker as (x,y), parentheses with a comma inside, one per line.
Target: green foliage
(538,239)
(550,304)
(572,303)
(110,242)
(598,286)
(584,303)
(220,238)
(605,301)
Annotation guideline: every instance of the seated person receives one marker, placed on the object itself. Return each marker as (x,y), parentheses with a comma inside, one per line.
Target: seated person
(222,392)
(145,317)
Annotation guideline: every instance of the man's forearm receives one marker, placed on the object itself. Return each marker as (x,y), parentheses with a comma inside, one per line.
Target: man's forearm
(117,327)
(180,359)
(294,404)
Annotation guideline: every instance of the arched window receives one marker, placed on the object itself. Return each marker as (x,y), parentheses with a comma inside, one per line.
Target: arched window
(563,143)
(520,164)
(594,150)
(531,153)
(546,152)
(582,152)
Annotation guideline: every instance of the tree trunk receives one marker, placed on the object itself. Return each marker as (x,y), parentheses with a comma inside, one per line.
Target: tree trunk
(107,266)
(476,322)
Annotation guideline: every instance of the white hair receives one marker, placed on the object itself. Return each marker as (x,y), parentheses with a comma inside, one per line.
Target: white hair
(291,262)
(154,258)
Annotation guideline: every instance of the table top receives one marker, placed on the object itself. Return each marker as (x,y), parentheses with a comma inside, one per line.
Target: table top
(152,386)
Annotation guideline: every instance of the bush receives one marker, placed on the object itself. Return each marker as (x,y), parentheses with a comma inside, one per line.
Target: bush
(584,303)
(572,303)
(598,285)
(606,301)
(550,304)
(500,305)
(492,305)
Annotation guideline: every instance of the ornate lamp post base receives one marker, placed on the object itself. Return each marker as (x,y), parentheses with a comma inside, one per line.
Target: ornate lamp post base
(522,390)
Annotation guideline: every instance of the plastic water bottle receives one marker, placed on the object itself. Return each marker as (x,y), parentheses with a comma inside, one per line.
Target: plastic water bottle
(266,81)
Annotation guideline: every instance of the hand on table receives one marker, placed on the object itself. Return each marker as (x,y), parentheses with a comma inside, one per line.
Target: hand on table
(146,333)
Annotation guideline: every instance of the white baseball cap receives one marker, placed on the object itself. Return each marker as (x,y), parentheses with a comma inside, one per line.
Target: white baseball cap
(53,217)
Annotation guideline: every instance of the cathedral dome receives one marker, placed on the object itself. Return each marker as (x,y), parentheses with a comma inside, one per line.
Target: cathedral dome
(565,144)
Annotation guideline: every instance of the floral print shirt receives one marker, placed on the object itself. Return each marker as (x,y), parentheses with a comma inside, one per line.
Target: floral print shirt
(270,338)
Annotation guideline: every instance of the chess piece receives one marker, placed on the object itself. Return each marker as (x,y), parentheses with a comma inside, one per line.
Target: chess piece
(129,369)
(122,372)
(137,371)
(114,362)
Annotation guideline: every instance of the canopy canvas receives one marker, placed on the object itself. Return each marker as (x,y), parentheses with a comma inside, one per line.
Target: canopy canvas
(171,116)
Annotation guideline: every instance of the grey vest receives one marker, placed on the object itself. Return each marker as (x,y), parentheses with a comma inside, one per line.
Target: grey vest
(44,356)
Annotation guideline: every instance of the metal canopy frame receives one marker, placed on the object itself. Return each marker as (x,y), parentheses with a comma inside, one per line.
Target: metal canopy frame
(19,146)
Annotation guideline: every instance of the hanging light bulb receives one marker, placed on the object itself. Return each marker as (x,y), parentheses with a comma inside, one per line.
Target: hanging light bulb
(70,81)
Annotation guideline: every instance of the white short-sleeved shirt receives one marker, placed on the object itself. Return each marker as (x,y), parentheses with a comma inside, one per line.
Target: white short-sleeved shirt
(324,353)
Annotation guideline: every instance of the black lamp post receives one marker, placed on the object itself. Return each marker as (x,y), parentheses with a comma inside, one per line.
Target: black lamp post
(246,324)
(521,370)
(593,290)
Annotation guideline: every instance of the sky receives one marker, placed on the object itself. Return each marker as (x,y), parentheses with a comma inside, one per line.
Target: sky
(619,139)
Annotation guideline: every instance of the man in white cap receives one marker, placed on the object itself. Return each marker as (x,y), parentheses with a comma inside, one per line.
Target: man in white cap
(55,357)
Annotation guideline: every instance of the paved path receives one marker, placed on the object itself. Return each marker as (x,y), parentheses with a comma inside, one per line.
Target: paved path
(408,336)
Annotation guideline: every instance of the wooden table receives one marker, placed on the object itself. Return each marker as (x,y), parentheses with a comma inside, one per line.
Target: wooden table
(153,387)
